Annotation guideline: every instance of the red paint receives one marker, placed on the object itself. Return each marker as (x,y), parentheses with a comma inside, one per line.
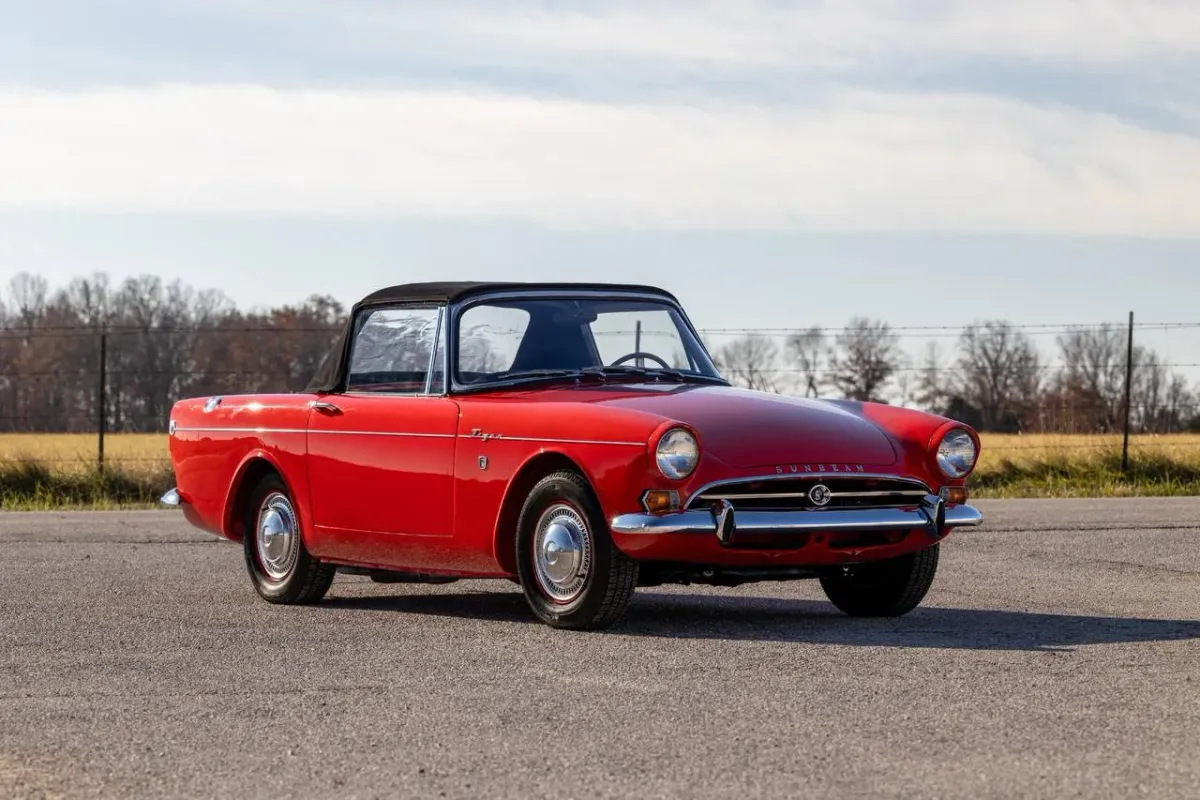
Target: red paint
(367,495)
(381,484)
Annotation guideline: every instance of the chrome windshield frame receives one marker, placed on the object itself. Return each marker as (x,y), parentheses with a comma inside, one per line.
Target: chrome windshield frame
(456,310)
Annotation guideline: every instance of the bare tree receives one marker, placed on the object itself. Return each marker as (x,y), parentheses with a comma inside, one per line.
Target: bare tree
(932,391)
(904,381)
(864,358)
(1092,382)
(807,350)
(1162,401)
(999,374)
(29,295)
(750,361)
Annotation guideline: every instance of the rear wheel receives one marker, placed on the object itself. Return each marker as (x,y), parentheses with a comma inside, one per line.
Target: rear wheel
(888,588)
(280,566)
(572,574)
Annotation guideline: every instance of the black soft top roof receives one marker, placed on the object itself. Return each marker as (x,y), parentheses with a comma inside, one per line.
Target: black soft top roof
(453,291)
(331,374)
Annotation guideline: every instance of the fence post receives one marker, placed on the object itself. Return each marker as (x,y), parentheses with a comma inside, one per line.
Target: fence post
(1128,396)
(102,401)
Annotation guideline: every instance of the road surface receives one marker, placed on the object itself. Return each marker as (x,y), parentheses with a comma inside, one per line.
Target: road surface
(1058,655)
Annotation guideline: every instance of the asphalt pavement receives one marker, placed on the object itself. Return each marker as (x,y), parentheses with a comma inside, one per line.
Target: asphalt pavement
(1057,655)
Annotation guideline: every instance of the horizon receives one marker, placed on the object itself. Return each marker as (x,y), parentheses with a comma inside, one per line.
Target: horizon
(915,341)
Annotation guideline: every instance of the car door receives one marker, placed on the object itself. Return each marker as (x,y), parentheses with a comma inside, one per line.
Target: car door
(381,452)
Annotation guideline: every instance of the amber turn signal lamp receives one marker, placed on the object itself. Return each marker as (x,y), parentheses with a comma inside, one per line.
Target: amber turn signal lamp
(955,495)
(656,501)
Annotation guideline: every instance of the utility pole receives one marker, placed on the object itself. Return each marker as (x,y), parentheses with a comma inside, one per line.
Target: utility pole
(102,402)
(1128,397)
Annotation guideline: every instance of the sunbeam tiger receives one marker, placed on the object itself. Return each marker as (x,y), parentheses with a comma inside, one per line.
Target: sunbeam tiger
(575,438)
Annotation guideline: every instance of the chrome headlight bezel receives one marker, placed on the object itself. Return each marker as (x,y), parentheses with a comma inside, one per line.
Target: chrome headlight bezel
(677,453)
(957,454)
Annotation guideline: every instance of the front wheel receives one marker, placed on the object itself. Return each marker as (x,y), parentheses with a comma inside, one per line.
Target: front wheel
(280,566)
(572,574)
(888,588)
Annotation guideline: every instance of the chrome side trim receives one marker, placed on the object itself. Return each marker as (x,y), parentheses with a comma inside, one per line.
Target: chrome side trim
(182,429)
(708,487)
(503,438)
(324,432)
(873,519)
(403,434)
(413,435)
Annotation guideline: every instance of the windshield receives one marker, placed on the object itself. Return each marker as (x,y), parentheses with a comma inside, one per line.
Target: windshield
(518,338)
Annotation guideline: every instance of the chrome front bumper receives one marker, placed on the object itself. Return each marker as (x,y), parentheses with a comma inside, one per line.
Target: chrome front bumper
(931,514)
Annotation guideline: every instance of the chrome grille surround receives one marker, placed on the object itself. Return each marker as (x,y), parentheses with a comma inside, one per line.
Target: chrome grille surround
(793,492)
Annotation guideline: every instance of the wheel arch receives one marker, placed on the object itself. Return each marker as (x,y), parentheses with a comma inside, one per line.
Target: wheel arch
(256,466)
(526,477)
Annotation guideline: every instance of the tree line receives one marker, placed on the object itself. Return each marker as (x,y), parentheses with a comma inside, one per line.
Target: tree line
(168,340)
(164,341)
(994,378)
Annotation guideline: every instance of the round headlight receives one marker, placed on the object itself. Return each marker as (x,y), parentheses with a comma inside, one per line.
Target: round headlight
(677,453)
(956,454)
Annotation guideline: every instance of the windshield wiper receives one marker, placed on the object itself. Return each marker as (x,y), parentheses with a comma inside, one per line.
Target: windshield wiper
(602,374)
(539,375)
(638,372)
(658,373)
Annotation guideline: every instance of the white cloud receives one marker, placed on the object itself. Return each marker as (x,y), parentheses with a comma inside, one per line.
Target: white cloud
(819,34)
(857,161)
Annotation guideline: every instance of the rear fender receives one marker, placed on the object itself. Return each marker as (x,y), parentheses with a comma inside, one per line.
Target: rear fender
(246,477)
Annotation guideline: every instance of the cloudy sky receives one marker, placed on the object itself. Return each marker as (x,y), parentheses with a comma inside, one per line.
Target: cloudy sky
(774,163)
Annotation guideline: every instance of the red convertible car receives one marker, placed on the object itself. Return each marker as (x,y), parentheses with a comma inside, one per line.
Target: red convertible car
(576,439)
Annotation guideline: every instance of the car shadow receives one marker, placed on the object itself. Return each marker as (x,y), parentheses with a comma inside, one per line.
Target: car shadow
(764,619)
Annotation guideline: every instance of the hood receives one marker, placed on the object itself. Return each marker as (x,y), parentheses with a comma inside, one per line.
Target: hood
(755,429)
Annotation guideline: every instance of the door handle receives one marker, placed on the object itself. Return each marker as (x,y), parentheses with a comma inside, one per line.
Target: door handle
(321,405)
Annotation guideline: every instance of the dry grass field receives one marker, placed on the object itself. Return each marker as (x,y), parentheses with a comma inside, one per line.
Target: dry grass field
(1041,447)
(77,451)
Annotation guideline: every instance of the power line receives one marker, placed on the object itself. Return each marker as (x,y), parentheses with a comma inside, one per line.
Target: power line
(249,371)
(1049,328)
(1055,327)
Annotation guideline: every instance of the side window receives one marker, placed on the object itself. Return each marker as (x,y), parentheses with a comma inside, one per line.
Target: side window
(392,349)
(488,339)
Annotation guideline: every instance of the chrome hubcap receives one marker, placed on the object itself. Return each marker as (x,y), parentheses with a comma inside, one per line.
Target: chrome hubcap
(278,543)
(562,553)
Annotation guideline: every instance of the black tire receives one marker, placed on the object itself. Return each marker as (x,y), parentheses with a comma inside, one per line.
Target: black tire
(602,586)
(888,588)
(305,579)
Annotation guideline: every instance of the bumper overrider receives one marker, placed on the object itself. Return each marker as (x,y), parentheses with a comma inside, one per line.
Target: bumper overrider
(931,514)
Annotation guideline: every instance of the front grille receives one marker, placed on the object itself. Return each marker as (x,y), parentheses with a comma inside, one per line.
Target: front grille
(794,493)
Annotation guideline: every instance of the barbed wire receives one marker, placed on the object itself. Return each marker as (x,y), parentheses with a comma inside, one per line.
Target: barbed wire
(217,373)
(1048,328)
(1008,370)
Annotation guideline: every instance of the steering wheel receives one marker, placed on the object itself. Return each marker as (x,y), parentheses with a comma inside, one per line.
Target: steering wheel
(639,354)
